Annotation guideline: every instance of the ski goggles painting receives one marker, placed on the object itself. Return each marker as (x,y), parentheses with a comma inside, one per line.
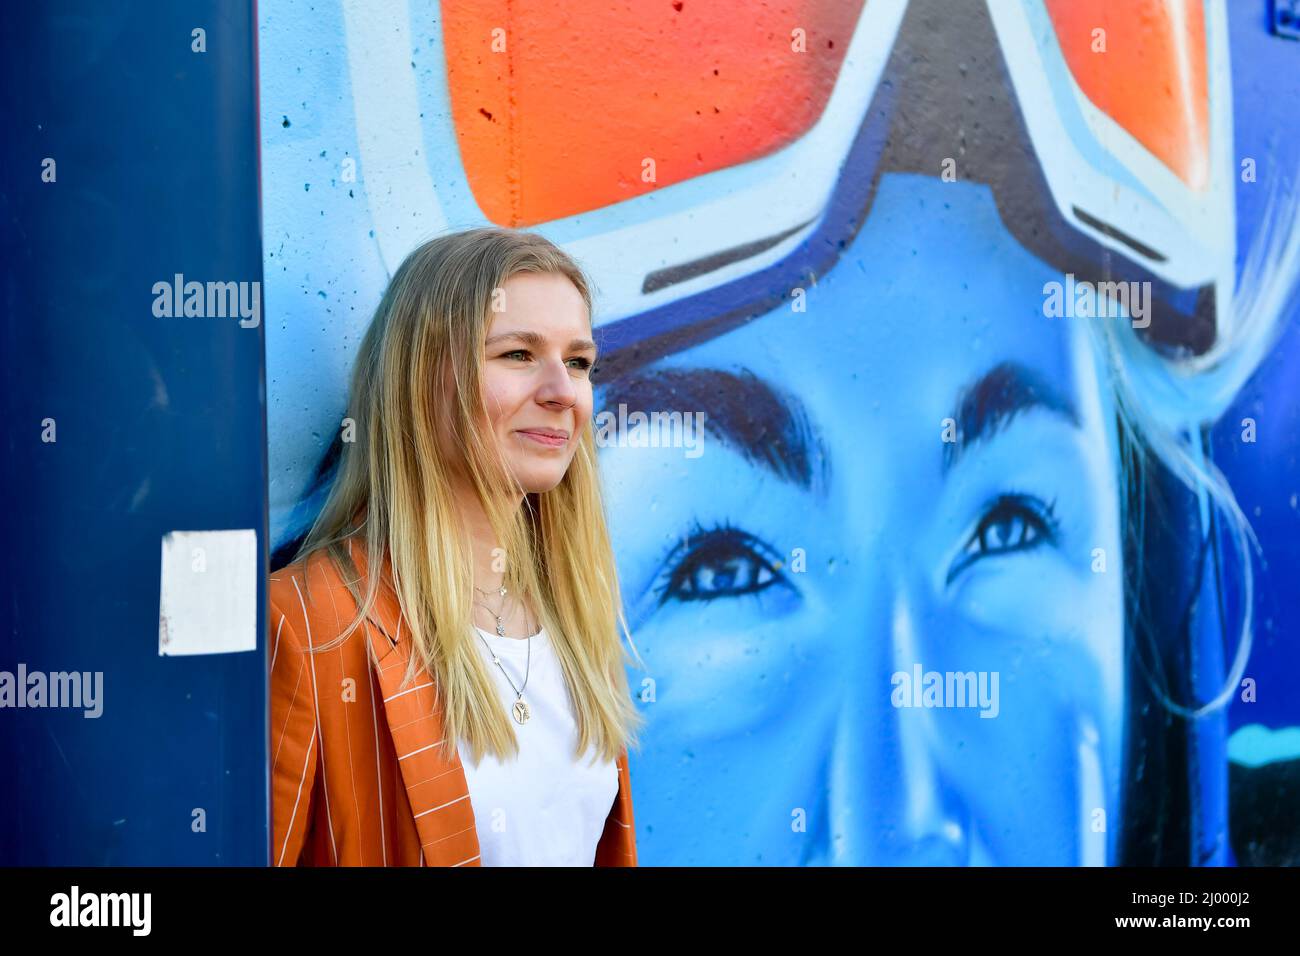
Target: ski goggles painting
(946,404)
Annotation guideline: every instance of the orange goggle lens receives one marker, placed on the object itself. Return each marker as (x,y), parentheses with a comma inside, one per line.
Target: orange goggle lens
(1143,64)
(562,108)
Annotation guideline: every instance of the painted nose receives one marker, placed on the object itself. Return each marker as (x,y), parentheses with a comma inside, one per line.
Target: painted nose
(890,803)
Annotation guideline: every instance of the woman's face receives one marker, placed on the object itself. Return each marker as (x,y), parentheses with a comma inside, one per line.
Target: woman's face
(536,376)
(916,473)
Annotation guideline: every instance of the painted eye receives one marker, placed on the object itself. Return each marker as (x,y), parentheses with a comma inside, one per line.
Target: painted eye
(718,563)
(1011,523)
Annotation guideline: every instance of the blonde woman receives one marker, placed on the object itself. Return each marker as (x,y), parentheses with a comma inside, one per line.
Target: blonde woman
(468,704)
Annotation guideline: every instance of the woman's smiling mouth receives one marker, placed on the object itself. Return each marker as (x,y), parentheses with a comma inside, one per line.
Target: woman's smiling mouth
(550,437)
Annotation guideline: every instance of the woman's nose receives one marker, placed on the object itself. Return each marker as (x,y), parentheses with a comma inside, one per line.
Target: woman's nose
(556,387)
(891,803)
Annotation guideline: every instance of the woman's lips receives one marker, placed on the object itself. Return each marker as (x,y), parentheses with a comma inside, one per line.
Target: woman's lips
(550,441)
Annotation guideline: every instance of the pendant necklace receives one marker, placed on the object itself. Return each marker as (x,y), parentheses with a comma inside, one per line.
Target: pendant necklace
(520,708)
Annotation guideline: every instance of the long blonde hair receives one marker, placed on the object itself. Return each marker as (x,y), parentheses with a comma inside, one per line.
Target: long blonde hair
(421,359)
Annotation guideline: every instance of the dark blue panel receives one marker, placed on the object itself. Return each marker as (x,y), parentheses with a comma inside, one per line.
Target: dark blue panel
(160,426)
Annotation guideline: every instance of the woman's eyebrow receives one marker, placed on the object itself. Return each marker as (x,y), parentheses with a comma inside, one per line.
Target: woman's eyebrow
(536,341)
(994,399)
(766,427)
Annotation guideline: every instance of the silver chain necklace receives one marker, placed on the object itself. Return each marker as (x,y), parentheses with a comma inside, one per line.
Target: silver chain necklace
(520,708)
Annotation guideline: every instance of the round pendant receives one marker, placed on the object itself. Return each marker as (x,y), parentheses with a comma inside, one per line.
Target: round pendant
(521,712)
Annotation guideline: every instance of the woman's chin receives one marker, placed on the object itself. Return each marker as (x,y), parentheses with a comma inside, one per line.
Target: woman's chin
(536,481)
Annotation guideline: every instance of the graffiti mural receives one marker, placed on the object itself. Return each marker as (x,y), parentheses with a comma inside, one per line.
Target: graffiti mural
(947,391)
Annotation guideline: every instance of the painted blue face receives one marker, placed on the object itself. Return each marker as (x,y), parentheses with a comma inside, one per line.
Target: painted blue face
(829,538)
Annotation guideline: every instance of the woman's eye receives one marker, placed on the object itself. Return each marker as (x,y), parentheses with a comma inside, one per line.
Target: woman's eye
(583,363)
(1012,523)
(723,562)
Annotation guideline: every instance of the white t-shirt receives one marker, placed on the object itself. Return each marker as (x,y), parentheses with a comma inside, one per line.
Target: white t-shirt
(542,808)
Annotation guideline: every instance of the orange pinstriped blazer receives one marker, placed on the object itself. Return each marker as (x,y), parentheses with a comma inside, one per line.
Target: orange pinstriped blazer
(358,773)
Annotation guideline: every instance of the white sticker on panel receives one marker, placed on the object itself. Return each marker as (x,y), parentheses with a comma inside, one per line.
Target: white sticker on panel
(208,601)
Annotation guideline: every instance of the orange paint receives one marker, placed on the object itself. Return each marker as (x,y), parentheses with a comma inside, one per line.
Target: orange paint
(1151,79)
(562,121)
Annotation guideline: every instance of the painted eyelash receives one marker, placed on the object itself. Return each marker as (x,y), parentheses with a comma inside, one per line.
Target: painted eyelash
(722,534)
(1045,513)
(697,531)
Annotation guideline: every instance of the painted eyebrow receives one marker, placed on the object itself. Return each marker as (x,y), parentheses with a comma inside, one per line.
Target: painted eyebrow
(536,341)
(992,401)
(766,427)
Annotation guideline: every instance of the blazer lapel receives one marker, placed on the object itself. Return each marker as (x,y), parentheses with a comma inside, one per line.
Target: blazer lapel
(435,780)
